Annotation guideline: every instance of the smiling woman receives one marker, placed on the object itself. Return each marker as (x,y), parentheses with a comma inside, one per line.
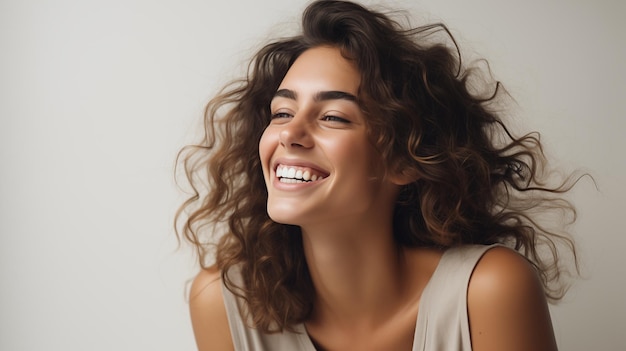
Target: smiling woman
(318,128)
(371,201)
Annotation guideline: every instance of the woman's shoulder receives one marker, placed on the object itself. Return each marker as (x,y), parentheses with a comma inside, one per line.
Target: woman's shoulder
(507,306)
(208,312)
(504,274)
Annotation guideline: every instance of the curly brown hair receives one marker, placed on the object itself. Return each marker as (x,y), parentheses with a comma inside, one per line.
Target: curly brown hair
(476,183)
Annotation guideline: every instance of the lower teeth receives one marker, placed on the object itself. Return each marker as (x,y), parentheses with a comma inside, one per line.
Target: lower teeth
(292,180)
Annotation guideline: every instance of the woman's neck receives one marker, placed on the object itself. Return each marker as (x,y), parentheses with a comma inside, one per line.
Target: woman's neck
(358,272)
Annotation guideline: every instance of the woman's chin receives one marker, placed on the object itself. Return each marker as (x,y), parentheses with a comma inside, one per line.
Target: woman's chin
(283,217)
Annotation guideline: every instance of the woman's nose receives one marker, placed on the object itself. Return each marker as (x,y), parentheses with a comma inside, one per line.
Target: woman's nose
(296,134)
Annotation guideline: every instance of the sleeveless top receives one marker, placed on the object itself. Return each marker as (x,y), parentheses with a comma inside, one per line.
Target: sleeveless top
(442,321)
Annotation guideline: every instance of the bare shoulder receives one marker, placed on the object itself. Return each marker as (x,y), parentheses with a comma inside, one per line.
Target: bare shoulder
(208,313)
(507,306)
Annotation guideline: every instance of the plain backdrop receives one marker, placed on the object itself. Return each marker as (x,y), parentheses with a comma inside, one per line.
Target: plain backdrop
(96,98)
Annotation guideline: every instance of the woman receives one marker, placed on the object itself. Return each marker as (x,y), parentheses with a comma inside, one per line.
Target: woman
(370,201)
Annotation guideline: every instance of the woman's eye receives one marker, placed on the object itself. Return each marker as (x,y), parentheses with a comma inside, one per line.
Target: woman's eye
(335,119)
(281,115)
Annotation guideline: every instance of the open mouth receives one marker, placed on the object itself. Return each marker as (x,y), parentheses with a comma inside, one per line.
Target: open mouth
(292,174)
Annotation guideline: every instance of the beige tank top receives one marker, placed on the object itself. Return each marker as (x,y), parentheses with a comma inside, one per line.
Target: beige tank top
(442,322)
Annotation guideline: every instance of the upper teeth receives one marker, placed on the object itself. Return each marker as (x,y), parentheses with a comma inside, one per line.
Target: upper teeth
(293,174)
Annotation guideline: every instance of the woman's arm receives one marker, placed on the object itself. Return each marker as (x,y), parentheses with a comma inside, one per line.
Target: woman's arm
(208,314)
(507,306)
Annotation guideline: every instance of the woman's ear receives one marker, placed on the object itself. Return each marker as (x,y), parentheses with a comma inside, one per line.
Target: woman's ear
(403,175)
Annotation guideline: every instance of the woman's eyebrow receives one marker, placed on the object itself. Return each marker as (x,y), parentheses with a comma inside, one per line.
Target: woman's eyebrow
(319,96)
(333,95)
(286,93)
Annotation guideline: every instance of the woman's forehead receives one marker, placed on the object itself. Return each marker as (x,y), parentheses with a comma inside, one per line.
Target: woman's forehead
(322,68)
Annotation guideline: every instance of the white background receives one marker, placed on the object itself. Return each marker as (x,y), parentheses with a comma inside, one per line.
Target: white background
(96,98)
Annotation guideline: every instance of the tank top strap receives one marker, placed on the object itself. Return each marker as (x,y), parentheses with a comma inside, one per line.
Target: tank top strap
(246,338)
(442,321)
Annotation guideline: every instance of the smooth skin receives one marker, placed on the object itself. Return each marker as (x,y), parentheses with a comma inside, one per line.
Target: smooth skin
(367,290)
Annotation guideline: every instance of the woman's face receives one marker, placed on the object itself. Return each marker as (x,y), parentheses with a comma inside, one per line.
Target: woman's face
(318,162)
